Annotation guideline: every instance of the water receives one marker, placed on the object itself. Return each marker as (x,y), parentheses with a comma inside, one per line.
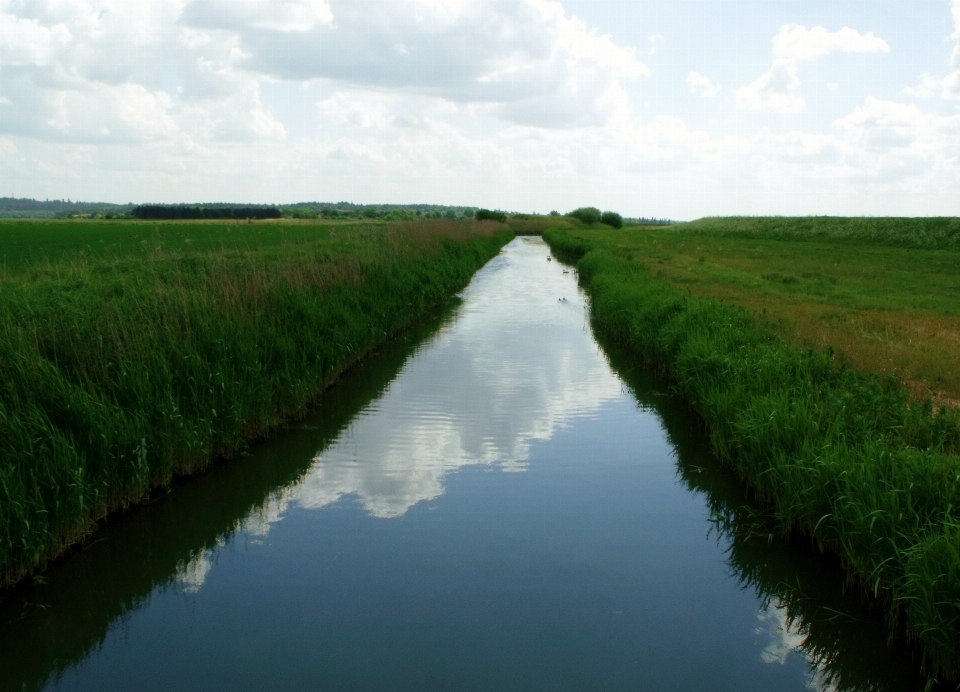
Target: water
(491,503)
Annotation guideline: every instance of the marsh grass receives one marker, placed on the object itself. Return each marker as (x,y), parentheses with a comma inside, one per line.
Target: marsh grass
(125,365)
(843,456)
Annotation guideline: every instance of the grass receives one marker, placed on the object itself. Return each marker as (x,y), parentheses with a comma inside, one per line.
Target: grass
(839,454)
(856,285)
(131,353)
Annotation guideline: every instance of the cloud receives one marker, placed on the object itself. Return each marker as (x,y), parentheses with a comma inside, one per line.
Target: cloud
(108,72)
(947,87)
(28,42)
(774,90)
(701,85)
(927,86)
(951,83)
(526,59)
(795,42)
(654,41)
(777,88)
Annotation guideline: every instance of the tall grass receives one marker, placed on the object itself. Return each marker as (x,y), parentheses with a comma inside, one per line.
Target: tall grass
(930,233)
(840,455)
(118,374)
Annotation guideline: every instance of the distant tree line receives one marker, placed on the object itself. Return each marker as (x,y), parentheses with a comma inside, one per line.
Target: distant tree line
(383,212)
(15,207)
(487,215)
(156,212)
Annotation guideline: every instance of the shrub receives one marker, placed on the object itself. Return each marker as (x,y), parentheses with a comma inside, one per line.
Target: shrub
(587,215)
(612,218)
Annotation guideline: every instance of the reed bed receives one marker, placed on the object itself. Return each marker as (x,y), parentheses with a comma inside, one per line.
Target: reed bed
(843,456)
(122,370)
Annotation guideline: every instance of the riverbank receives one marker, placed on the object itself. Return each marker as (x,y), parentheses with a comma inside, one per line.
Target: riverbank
(839,454)
(884,294)
(131,352)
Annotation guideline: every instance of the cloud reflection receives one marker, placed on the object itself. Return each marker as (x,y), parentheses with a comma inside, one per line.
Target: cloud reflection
(517,364)
(786,638)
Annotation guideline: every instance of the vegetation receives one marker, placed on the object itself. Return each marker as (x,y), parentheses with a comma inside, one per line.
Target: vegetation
(612,219)
(592,215)
(586,215)
(840,455)
(184,211)
(487,215)
(132,352)
(882,307)
(930,233)
(21,208)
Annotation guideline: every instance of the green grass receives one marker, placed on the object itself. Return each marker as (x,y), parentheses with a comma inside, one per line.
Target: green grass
(839,454)
(134,352)
(882,308)
(927,233)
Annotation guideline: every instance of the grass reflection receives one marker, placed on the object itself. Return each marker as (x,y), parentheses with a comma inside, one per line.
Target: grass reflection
(803,602)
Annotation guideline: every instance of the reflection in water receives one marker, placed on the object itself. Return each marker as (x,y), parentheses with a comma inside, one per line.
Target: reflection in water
(518,381)
(562,555)
(785,639)
(804,609)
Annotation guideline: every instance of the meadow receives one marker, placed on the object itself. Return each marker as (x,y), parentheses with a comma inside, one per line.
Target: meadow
(735,316)
(133,352)
(884,294)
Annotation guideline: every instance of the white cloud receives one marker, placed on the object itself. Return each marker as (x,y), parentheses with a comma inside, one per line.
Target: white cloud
(509,103)
(777,88)
(527,59)
(947,87)
(701,85)
(654,41)
(951,83)
(774,90)
(927,86)
(28,42)
(795,42)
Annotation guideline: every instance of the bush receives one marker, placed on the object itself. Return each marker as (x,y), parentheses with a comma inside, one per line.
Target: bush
(487,215)
(587,215)
(612,218)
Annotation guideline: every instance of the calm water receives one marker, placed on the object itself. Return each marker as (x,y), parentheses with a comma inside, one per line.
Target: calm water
(491,503)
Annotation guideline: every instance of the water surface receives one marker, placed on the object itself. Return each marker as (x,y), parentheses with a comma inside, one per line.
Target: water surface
(493,502)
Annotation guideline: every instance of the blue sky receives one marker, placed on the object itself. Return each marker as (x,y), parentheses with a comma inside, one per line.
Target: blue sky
(678,109)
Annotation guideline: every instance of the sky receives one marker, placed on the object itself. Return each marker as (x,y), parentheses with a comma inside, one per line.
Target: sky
(664,108)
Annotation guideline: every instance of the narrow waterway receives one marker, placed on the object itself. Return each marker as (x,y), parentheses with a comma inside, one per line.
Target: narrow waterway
(493,502)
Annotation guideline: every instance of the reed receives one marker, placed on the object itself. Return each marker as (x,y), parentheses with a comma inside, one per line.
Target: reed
(841,455)
(123,368)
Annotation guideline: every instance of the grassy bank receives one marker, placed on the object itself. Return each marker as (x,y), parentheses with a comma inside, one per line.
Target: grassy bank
(133,352)
(837,453)
(883,293)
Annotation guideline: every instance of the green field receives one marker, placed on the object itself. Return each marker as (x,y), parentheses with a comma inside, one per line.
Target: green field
(838,453)
(133,352)
(883,293)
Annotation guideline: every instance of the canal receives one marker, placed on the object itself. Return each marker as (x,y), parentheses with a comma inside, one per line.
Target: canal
(492,502)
